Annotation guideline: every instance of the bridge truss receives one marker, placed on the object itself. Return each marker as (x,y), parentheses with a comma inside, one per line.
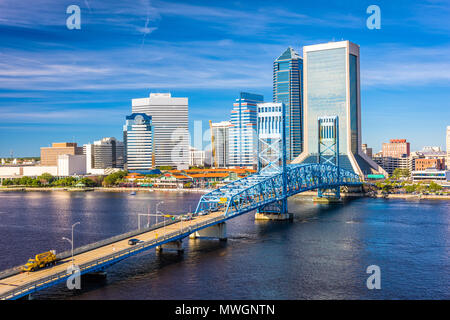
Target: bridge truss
(265,188)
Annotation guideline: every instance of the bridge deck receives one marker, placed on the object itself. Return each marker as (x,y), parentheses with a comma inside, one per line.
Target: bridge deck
(33,280)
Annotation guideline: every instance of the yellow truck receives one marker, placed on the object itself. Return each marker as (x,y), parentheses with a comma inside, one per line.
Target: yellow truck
(41,260)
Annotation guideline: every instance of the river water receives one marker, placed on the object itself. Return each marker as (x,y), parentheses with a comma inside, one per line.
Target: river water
(322,254)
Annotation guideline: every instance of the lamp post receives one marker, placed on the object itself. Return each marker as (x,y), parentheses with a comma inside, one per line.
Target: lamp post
(71,241)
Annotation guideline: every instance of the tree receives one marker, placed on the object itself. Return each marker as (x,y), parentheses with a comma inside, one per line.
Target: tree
(46,178)
(87,182)
(434,187)
(113,178)
(410,188)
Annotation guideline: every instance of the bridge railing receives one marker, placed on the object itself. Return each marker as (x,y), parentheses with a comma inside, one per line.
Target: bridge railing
(106,260)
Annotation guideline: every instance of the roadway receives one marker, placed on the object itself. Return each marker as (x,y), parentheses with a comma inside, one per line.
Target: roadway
(154,237)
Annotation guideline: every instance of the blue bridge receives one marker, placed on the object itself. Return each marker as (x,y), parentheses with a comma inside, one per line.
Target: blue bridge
(266,192)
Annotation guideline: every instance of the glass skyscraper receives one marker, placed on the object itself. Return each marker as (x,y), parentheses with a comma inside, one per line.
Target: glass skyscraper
(138,140)
(287,88)
(332,88)
(243,139)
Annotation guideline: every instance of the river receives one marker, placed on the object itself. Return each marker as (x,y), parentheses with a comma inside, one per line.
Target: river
(322,254)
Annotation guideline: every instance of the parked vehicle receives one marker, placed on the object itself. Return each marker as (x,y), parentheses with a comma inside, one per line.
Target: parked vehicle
(41,260)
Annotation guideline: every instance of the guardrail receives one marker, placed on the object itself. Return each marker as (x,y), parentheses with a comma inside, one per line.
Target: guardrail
(66,254)
(107,260)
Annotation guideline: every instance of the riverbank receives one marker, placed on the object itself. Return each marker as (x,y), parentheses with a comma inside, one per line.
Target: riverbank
(195,190)
(387,196)
(100,189)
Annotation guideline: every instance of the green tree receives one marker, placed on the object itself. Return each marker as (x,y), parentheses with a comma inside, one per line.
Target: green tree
(46,178)
(87,182)
(434,187)
(113,178)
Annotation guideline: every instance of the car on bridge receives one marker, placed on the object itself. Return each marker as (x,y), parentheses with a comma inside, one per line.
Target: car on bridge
(134,241)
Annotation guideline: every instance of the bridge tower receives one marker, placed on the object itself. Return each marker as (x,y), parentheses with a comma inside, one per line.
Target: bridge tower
(272,127)
(328,151)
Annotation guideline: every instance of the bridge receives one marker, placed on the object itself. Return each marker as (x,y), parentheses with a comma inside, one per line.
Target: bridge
(266,191)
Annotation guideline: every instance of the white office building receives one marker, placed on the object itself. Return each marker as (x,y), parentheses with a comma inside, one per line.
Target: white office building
(71,164)
(104,154)
(138,140)
(170,125)
(196,157)
(220,132)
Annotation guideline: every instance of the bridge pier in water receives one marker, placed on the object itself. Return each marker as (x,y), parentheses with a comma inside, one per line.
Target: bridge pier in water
(176,245)
(218,231)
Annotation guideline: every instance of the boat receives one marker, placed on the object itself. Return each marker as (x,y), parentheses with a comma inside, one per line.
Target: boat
(132,193)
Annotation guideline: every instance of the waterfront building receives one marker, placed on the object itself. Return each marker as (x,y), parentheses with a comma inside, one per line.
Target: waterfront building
(426,163)
(448,148)
(431,174)
(331,85)
(396,148)
(287,89)
(170,122)
(104,154)
(391,163)
(242,132)
(220,133)
(138,140)
(69,165)
(49,155)
(196,157)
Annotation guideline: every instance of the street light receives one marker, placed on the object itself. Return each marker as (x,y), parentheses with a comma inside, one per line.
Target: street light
(71,241)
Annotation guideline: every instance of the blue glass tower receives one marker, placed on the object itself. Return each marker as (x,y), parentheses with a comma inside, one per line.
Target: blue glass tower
(243,139)
(287,88)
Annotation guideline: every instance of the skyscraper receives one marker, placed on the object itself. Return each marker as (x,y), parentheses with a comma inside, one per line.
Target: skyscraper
(332,88)
(287,88)
(138,140)
(220,132)
(242,144)
(170,122)
(448,148)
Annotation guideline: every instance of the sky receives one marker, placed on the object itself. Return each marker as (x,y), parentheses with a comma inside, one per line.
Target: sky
(59,84)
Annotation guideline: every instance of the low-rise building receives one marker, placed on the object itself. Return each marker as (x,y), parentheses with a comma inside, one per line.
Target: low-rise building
(424,163)
(431,175)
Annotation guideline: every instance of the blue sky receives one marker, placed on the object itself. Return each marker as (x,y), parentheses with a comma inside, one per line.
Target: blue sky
(59,85)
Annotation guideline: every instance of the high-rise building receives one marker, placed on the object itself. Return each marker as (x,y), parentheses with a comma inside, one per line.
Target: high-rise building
(447,161)
(220,132)
(396,148)
(138,140)
(49,155)
(242,144)
(105,153)
(170,122)
(287,88)
(332,88)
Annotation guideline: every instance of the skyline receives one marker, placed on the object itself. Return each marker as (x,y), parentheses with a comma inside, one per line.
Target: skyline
(62,85)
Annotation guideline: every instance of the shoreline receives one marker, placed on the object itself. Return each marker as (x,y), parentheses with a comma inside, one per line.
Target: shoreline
(100,189)
(303,194)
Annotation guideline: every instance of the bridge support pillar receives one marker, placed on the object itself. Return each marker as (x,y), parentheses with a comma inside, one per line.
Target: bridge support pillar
(276,211)
(176,245)
(218,231)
